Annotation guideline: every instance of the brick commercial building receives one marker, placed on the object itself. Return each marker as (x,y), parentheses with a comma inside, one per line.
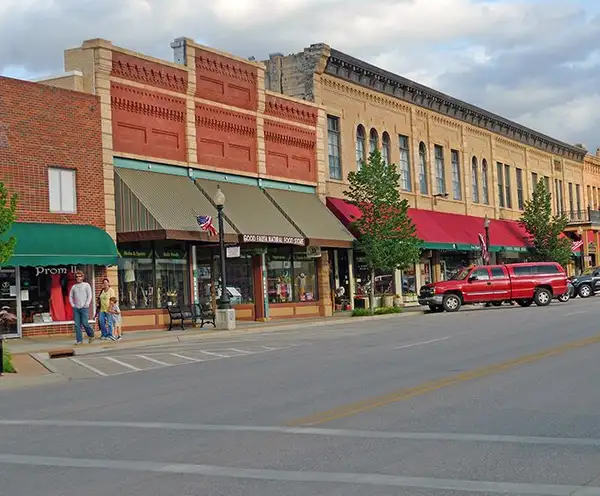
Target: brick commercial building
(50,156)
(172,133)
(459,163)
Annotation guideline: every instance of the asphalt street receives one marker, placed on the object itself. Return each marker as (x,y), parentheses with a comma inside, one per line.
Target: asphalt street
(484,401)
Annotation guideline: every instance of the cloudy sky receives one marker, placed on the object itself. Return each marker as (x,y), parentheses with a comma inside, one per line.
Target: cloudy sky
(534,61)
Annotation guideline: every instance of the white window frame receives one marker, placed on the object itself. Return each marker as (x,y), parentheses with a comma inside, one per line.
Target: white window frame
(56,186)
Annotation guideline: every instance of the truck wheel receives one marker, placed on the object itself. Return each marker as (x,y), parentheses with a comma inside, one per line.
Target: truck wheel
(525,303)
(451,303)
(542,297)
(563,298)
(585,291)
(436,308)
(497,303)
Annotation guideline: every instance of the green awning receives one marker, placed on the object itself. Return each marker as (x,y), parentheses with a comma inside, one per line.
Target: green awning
(60,244)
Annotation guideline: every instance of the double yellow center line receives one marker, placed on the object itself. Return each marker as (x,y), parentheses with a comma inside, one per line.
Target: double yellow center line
(368,404)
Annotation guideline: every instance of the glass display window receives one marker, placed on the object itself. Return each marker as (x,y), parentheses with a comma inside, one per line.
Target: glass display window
(279,275)
(136,276)
(45,293)
(172,274)
(305,277)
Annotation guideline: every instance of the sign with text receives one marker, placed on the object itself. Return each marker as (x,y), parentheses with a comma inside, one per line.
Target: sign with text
(130,253)
(279,240)
(233,252)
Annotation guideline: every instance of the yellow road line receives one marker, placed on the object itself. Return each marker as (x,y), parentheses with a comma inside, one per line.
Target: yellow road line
(404,394)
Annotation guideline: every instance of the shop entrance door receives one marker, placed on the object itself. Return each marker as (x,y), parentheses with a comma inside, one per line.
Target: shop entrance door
(10,318)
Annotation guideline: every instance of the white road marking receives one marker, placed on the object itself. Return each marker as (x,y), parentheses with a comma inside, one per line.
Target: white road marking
(213,354)
(89,367)
(366,479)
(422,343)
(311,431)
(123,364)
(244,352)
(154,360)
(184,357)
(575,313)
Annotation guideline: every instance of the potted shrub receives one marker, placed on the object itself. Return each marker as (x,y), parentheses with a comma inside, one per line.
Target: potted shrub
(397,300)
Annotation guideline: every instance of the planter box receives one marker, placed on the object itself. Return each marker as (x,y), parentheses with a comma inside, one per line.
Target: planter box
(387,301)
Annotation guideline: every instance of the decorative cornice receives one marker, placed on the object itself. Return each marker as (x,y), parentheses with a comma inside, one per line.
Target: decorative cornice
(129,104)
(225,121)
(289,110)
(446,122)
(231,69)
(510,143)
(146,72)
(278,133)
(365,95)
(477,132)
(543,156)
(363,74)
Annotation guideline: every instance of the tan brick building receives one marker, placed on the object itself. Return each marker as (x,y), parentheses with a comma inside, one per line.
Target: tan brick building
(454,158)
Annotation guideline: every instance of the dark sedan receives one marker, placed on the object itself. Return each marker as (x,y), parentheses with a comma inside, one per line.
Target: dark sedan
(586,284)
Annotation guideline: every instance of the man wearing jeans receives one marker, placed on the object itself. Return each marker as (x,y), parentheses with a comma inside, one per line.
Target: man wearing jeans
(80,298)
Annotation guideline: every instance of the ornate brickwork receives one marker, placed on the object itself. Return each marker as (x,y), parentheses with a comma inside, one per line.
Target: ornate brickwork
(290,151)
(290,110)
(226,121)
(149,73)
(359,94)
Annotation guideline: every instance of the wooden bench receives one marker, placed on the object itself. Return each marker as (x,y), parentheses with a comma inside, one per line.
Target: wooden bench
(179,314)
(203,314)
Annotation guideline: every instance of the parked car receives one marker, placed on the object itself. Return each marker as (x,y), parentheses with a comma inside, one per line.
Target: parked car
(588,283)
(525,283)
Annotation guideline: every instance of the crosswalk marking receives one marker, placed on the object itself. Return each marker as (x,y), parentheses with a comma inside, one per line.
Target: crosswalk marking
(214,354)
(89,367)
(154,360)
(179,355)
(244,352)
(124,364)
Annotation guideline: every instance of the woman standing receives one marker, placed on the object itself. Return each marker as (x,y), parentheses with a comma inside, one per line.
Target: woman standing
(104,315)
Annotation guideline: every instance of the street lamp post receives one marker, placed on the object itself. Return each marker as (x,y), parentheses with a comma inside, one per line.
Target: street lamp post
(486,225)
(219,200)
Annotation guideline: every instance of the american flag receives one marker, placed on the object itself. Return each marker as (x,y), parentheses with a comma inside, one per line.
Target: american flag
(576,245)
(484,249)
(205,223)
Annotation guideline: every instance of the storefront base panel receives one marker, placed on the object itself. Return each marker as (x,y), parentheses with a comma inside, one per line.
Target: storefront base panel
(244,312)
(293,310)
(50,330)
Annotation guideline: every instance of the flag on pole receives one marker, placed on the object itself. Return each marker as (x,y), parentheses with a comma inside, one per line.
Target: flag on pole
(576,245)
(205,223)
(485,255)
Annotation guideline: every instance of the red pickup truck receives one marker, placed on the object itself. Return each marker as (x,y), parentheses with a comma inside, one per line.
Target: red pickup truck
(525,283)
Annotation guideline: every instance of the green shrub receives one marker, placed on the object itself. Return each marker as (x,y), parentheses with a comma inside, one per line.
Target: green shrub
(365,312)
(7,361)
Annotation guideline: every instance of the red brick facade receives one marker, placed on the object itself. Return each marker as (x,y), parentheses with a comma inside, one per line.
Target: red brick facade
(291,151)
(41,127)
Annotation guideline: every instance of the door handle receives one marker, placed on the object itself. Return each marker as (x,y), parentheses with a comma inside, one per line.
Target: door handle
(489,283)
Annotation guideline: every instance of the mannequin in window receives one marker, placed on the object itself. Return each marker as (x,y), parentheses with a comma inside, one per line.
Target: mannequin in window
(68,308)
(57,299)
(302,286)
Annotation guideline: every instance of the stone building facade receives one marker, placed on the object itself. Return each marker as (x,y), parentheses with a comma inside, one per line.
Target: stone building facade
(454,158)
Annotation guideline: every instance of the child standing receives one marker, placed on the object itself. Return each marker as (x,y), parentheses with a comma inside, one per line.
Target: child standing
(115,313)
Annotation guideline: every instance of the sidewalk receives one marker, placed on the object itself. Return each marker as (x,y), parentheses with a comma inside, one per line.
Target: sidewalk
(36,345)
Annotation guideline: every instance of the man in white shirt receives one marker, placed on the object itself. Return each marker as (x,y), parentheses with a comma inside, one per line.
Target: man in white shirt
(80,298)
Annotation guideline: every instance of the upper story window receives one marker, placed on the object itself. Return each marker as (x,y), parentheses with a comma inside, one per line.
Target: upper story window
(333,144)
(440,172)
(373,140)
(62,190)
(520,198)
(485,191)
(500,171)
(385,147)
(474,180)
(534,181)
(456,181)
(507,185)
(360,146)
(578,197)
(423,182)
(571,204)
(405,179)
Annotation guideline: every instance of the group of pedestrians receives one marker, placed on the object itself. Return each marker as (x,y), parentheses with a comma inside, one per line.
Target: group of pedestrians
(108,313)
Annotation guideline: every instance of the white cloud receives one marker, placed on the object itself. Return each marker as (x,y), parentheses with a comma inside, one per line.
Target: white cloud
(530,60)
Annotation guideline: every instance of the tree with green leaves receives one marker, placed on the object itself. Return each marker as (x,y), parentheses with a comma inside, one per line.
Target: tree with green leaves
(545,230)
(8,214)
(387,235)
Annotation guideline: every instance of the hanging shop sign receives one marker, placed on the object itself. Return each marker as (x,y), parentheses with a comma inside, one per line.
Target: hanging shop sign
(233,251)
(313,251)
(269,239)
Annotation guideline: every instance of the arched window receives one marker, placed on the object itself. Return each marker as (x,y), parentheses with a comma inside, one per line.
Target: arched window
(484,182)
(475,180)
(373,140)
(360,146)
(423,183)
(385,147)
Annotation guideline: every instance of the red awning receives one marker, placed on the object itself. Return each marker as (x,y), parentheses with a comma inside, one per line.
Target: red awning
(441,230)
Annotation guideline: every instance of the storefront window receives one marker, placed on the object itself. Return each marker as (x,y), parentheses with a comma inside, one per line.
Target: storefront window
(136,276)
(305,277)
(45,293)
(279,275)
(239,278)
(409,280)
(172,274)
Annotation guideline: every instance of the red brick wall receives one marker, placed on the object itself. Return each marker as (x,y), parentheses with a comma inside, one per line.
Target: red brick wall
(291,151)
(226,80)
(290,110)
(148,123)
(226,138)
(42,126)
(149,73)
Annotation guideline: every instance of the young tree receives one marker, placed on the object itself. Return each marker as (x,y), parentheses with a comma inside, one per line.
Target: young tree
(8,214)
(545,229)
(387,235)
